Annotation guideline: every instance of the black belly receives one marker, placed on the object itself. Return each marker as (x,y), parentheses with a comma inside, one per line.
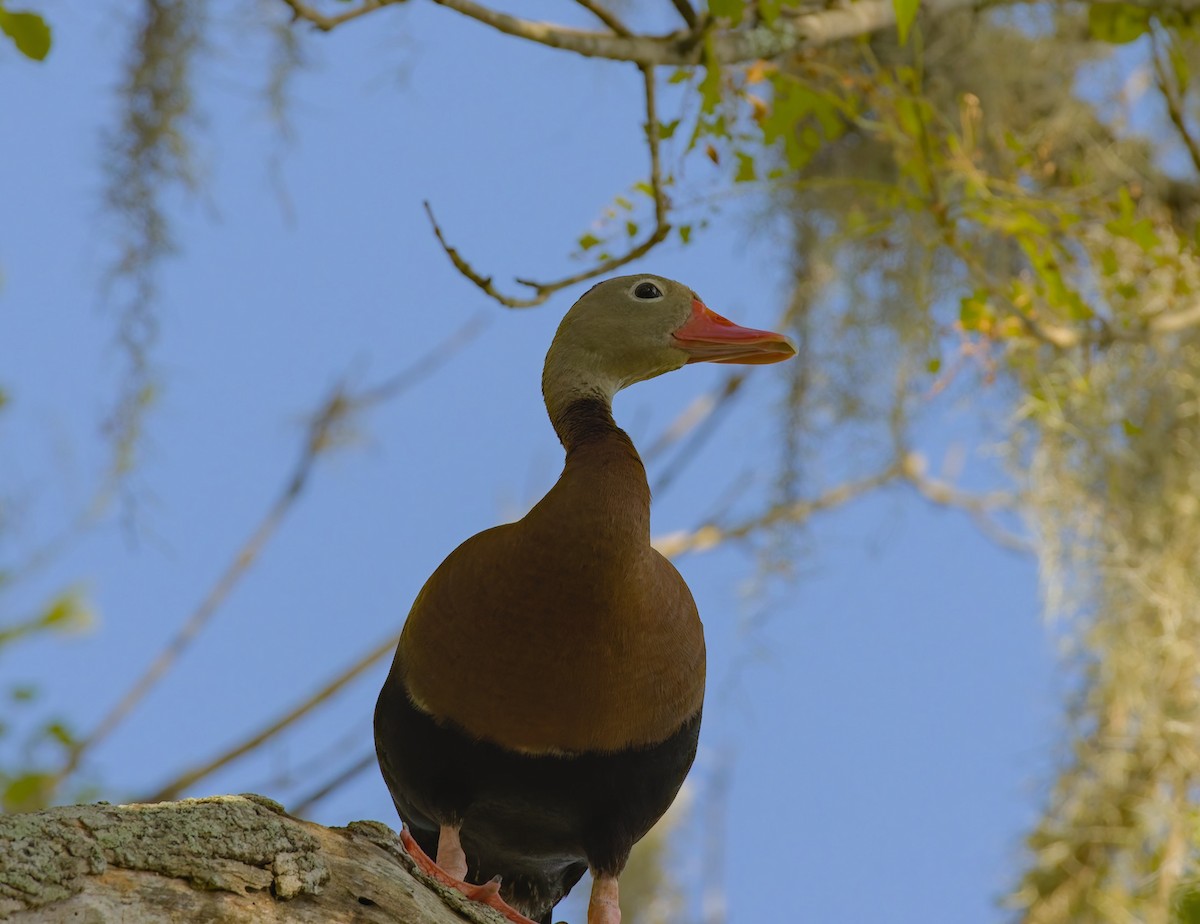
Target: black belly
(536,821)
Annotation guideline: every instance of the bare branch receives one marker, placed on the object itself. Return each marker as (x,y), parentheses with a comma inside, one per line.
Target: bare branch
(175,788)
(323,430)
(790,33)
(326,789)
(543,290)
(1173,97)
(605,15)
(980,507)
(685,10)
(711,535)
(326,23)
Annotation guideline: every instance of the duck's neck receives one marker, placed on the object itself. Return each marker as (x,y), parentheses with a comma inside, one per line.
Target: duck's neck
(604,479)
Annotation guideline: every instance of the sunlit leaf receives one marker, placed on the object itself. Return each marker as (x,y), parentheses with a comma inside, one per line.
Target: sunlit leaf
(68,612)
(685,233)
(745,168)
(59,732)
(769,10)
(28,792)
(29,32)
(710,86)
(727,9)
(906,14)
(588,241)
(1118,23)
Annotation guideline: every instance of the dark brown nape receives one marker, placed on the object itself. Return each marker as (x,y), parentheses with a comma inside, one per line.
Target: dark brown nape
(587,420)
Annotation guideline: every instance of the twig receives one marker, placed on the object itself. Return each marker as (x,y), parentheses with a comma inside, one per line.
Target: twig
(326,23)
(543,290)
(360,766)
(175,787)
(703,426)
(684,48)
(978,506)
(1172,96)
(323,429)
(605,16)
(684,8)
(692,416)
(711,535)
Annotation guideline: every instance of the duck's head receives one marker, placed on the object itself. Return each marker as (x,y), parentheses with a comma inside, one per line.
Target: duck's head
(632,328)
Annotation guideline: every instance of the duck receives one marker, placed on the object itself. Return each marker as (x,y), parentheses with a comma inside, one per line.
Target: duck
(543,706)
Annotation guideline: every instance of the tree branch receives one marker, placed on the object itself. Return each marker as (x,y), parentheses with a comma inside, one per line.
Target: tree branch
(710,535)
(236,859)
(324,429)
(790,33)
(605,16)
(1173,97)
(543,290)
(179,784)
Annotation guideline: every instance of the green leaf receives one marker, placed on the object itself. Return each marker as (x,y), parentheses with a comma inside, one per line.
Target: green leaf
(29,32)
(906,14)
(1118,23)
(22,693)
(769,10)
(28,793)
(681,75)
(667,129)
(795,107)
(710,86)
(972,311)
(1179,62)
(745,169)
(588,241)
(727,9)
(68,612)
(934,366)
(685,233)
(631,228)
(60,733)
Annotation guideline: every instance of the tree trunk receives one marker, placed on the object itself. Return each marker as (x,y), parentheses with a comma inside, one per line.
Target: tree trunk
(220,859)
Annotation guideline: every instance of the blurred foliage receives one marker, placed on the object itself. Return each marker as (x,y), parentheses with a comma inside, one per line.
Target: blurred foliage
(148,157)
(969,211)
(994,208)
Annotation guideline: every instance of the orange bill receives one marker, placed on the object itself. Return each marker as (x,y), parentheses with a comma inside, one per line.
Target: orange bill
(708,337)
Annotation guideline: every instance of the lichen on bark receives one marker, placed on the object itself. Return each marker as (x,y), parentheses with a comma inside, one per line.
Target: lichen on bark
(225,843)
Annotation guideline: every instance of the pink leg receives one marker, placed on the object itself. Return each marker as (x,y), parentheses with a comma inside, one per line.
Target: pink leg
(604,906)
(450,856)
(487,894)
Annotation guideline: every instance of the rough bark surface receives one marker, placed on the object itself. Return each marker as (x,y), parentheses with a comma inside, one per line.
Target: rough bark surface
(220,859)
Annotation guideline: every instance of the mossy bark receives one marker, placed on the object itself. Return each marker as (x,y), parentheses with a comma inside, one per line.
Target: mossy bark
(220,859)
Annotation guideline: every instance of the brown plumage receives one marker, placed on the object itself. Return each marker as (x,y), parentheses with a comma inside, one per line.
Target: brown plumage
(544,703)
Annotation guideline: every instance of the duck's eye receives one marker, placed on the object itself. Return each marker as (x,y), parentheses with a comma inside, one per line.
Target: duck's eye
(647,290)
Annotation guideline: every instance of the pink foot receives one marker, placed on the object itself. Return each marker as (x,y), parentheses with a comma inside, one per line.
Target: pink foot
(487,894)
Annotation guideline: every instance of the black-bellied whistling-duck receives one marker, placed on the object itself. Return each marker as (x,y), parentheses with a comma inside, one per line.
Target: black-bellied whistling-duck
(544,704)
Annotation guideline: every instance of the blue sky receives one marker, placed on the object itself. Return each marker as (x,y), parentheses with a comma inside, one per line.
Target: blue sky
(889,717)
